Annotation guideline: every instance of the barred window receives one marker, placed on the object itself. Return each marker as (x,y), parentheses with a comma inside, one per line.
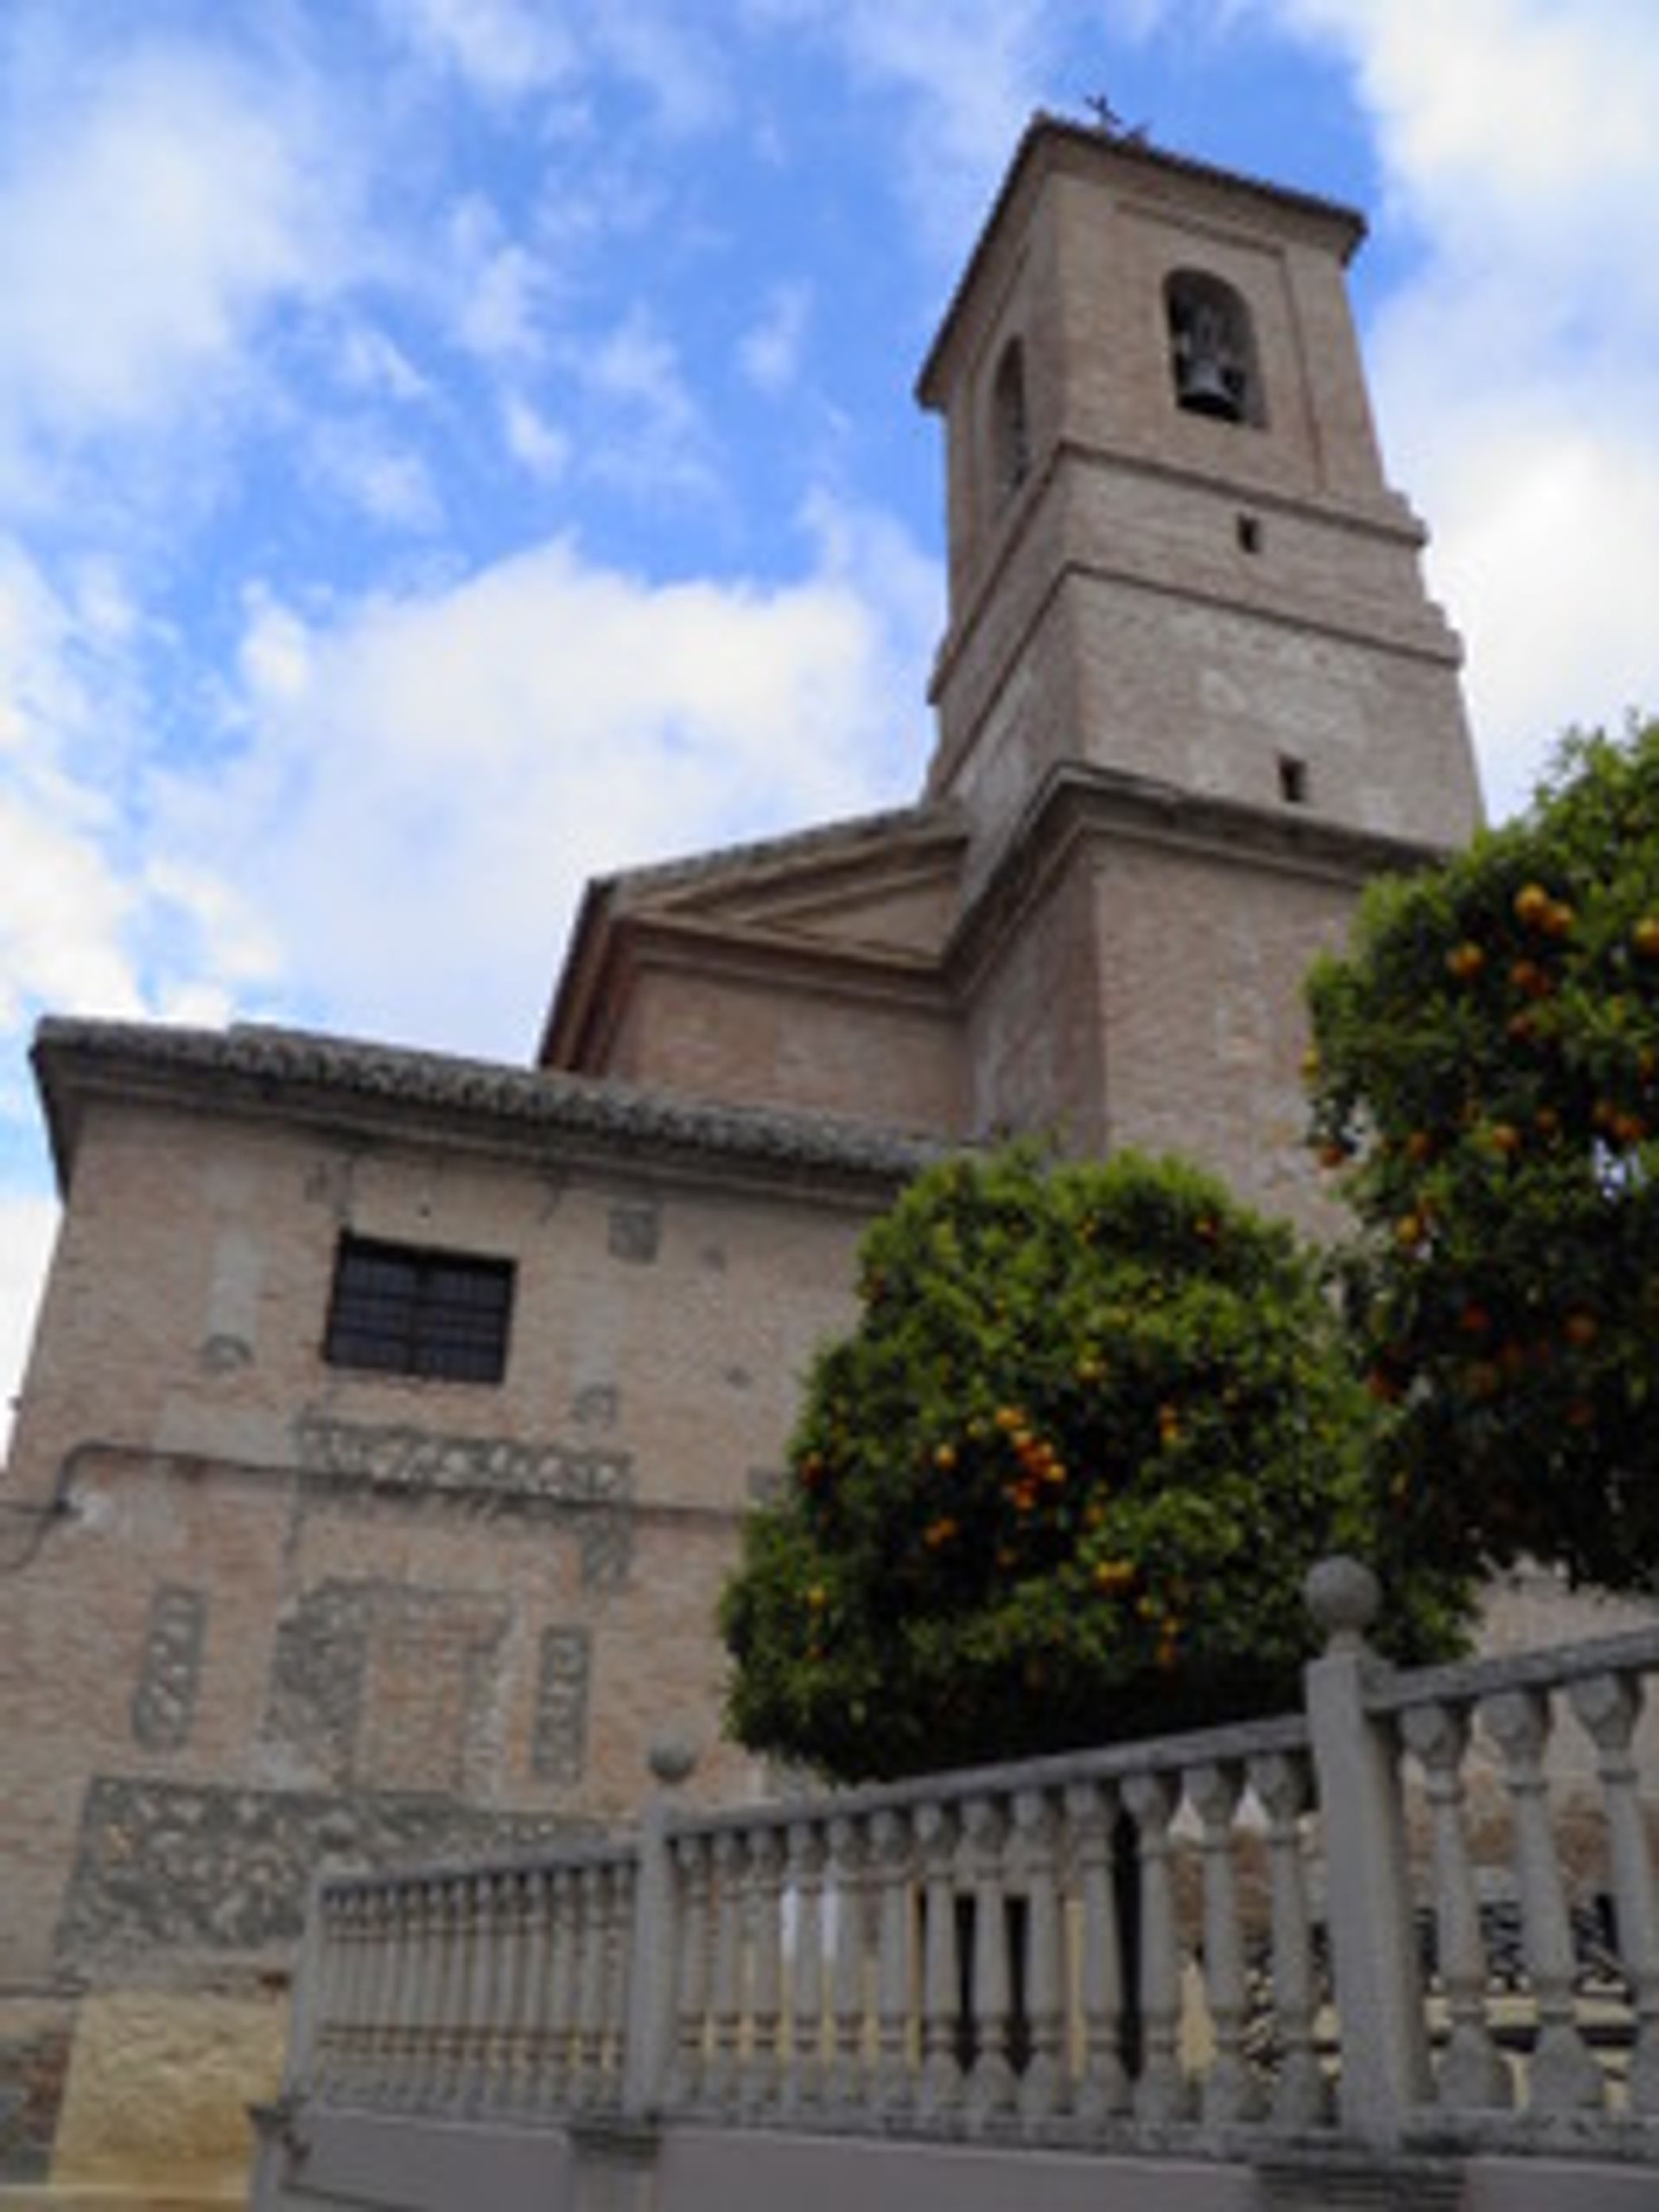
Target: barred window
(402,1311)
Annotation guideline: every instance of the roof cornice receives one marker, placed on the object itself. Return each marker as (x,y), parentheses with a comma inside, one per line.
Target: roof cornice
(297,1076)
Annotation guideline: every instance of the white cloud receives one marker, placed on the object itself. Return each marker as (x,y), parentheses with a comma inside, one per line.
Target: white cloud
(389,482)
(143,230)
(770,353)
(1517,368)
(503,48)
(433,778)
(651,436)
(537,444)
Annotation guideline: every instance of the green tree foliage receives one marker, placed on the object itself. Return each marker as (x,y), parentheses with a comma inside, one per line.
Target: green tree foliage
(1486,1083)
(1061,1482)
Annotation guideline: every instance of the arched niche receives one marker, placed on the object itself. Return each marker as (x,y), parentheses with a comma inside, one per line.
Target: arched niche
(1212,359)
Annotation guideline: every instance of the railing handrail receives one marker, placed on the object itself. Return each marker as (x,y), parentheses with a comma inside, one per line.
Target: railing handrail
(1391,1690)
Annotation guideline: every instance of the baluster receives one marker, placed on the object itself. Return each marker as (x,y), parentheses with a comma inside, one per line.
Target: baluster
(480,2041)
(730,1866)
(586,2043)
(559,2062)
(1471,2076)
(804,2081)
(990,2084)
(940,2092)
(463,1933)
(1103,2089)
(1302,2095)
(1229,2092)
(760,2075)
(890,1854)
(533,2021)
(511,1901)
(425,2072)
(691,1975)
(1043,2085)
(618,1944)
(1563,2077)
(1609,1707)
(355,1993)
(331,1975)
(845,2084)
(1162,2092)
(388,1993)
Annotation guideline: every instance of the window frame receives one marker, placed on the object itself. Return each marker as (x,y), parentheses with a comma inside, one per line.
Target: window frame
(448,1319)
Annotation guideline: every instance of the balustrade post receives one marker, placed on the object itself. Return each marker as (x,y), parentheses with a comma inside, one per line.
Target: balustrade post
(307,1995)
(1229,2092)
(1470,2074)
(1368,1899)
(648,2039)
(587,2042)
(1609,1707)
(559,2067)
(1102,2091)
(1561,2075)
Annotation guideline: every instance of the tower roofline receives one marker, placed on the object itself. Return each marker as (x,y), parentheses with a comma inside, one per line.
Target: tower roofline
(1051,140)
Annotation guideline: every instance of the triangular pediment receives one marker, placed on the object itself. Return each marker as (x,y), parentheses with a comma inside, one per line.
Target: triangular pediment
(889,884)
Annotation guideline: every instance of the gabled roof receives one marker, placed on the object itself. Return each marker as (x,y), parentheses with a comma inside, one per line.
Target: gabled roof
(881,890)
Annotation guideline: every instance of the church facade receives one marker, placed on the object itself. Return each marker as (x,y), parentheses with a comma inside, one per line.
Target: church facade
(390,1416)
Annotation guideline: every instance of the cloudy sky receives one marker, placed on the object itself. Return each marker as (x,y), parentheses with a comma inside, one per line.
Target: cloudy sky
(450,448)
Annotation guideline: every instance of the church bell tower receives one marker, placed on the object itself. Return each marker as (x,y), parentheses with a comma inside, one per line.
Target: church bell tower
(1192,693)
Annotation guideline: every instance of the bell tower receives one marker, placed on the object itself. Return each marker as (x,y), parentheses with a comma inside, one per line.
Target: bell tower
(1192,693)
(1172,552)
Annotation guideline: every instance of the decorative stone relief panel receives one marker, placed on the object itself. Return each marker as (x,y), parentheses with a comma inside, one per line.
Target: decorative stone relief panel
(169,1669)
(162,1866)
(559,1751)
(636,1231)
(383,1685)
(590,1487)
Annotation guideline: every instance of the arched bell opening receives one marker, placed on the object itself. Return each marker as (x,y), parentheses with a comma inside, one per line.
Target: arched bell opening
(1212,349)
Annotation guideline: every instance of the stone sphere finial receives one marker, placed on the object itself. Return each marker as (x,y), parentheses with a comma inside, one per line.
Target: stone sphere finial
(670,1759)
(1345,1597)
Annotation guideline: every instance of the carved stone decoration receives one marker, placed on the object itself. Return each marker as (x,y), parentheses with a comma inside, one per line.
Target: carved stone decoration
(169,1672)
(484,1476)
(636,1231)
(559,1751)
(385,1684)
(163,1866)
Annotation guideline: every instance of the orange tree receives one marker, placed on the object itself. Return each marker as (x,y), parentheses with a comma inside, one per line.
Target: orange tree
(1485,1083)
(1061,1482)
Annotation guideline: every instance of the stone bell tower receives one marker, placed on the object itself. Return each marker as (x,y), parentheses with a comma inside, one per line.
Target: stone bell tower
(1192,692)
(1171,549)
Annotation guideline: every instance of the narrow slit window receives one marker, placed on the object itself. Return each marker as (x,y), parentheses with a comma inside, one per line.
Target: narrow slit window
(1293,779)
(1010,423)
(1249,533)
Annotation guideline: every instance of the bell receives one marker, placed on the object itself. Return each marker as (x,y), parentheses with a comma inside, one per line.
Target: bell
(1203,387)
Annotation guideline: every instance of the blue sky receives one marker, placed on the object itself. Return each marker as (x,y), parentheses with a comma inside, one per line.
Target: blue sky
(450,447)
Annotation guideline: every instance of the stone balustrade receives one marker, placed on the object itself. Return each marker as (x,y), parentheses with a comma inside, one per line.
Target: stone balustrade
(1364,1924)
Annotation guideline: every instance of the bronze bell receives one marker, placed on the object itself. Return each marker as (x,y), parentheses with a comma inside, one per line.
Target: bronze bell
(1203,385)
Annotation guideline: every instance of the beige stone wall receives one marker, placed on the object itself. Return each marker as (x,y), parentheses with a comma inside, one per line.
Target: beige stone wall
(293,1608)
